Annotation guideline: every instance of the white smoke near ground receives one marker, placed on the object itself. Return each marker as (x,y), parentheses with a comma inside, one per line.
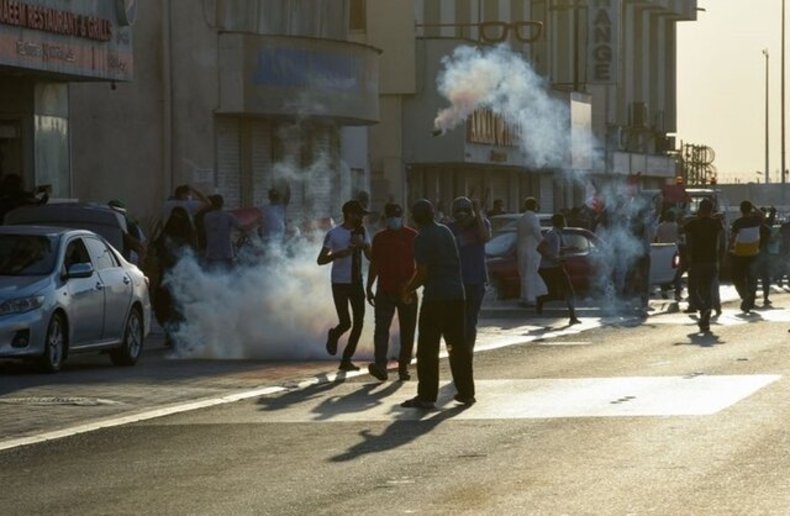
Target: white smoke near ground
(276,304)
(502,81)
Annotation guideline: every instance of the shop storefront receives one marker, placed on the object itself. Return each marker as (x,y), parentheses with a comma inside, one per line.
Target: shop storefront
(45,45)
(288,107)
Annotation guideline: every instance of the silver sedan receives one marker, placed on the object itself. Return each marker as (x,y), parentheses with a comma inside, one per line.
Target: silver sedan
(65,291)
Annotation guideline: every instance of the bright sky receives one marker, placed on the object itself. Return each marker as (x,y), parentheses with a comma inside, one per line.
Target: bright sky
(721,85)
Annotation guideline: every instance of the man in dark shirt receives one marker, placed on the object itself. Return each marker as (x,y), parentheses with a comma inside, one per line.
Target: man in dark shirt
(703,240)
(442,312)
(392,262)
(472,230)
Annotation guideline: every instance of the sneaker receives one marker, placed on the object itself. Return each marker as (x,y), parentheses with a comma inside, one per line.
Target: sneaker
(347,366)
(377,372)
(331,342)
(418,404)
(465,401)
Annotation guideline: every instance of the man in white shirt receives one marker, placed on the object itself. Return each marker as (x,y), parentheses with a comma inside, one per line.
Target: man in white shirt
(529,236)
(343,247)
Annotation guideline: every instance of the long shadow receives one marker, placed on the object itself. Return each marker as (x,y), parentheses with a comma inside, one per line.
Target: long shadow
(702,339)
(365,398)
(300,393)
(403,430)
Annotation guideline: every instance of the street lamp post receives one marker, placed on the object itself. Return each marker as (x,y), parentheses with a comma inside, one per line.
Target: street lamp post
(782,171)
(765,53)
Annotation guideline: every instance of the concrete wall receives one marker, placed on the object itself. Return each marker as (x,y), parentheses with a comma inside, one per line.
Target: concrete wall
(117,134)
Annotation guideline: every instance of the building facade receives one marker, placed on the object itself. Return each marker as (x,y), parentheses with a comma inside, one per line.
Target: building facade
(610,62)
(234,97)
(46,46)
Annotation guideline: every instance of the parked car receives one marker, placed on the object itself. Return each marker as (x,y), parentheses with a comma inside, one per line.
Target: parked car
(99,218)
(65,291)
(581,247)
(509,221)
(502,262)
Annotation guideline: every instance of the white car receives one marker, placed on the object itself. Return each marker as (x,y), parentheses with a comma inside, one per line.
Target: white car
(65,291)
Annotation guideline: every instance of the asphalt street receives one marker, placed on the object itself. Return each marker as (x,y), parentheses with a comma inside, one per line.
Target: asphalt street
(612,417)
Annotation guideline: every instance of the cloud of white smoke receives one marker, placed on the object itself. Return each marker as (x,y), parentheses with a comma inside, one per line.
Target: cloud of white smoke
(502,81)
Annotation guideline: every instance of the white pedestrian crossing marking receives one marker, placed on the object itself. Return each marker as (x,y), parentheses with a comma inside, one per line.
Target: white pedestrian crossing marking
(693,395)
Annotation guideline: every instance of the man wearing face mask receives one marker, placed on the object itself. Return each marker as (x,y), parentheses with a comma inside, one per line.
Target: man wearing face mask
(472,230)
(392,263)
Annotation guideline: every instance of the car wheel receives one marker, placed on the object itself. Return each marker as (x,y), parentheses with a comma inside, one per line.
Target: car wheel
(132,346)
(54,345)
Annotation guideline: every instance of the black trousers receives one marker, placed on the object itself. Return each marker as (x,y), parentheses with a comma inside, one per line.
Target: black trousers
(705,283)
(386,304)
(744,276)
(443,319)
(345,294)
(475,292)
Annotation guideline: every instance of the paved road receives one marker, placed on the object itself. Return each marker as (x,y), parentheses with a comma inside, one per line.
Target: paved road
(90,393)
(614,419)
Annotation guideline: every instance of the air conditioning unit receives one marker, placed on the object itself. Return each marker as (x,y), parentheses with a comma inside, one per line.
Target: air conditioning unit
(637,116)
(664,143)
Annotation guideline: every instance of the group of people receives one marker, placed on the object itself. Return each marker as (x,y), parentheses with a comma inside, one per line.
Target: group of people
(199,224)
(447,260)
(445,256)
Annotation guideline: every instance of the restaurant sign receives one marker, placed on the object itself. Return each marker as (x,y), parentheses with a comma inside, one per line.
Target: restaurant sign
(79,39)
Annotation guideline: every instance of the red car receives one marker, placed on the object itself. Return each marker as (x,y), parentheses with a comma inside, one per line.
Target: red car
(579,246)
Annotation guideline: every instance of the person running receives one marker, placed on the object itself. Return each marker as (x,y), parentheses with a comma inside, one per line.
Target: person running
(472,230)
(343,247)
(553,271)
(442,311)
(392,264)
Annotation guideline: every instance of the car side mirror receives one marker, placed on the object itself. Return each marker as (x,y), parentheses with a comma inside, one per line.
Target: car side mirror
(80,270)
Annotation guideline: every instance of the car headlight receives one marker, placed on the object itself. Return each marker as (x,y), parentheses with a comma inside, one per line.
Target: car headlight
(21,305)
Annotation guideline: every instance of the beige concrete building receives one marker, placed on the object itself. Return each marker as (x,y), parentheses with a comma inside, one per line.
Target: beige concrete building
(234,97)
(323,99)
(611,62)
(46,46)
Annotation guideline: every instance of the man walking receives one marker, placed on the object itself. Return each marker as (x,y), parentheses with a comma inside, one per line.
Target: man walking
(442,312)
(392,263)
(529,235)
(472,230)
(343,247)
(703,238)
(745,247)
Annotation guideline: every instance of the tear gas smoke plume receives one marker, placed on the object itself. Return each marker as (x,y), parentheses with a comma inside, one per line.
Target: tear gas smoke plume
(500,80)
(627,226)
(276,308)
(276,304)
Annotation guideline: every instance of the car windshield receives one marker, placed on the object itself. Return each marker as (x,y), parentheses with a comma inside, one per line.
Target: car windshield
(26,255)
(501,244)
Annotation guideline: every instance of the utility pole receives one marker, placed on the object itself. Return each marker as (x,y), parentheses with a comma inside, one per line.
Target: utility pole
(765,53)
(782,171)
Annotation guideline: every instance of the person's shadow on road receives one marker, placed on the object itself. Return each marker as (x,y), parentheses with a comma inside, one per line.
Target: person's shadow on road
(702,339)
(367,397)
(299,393)
(400,432)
